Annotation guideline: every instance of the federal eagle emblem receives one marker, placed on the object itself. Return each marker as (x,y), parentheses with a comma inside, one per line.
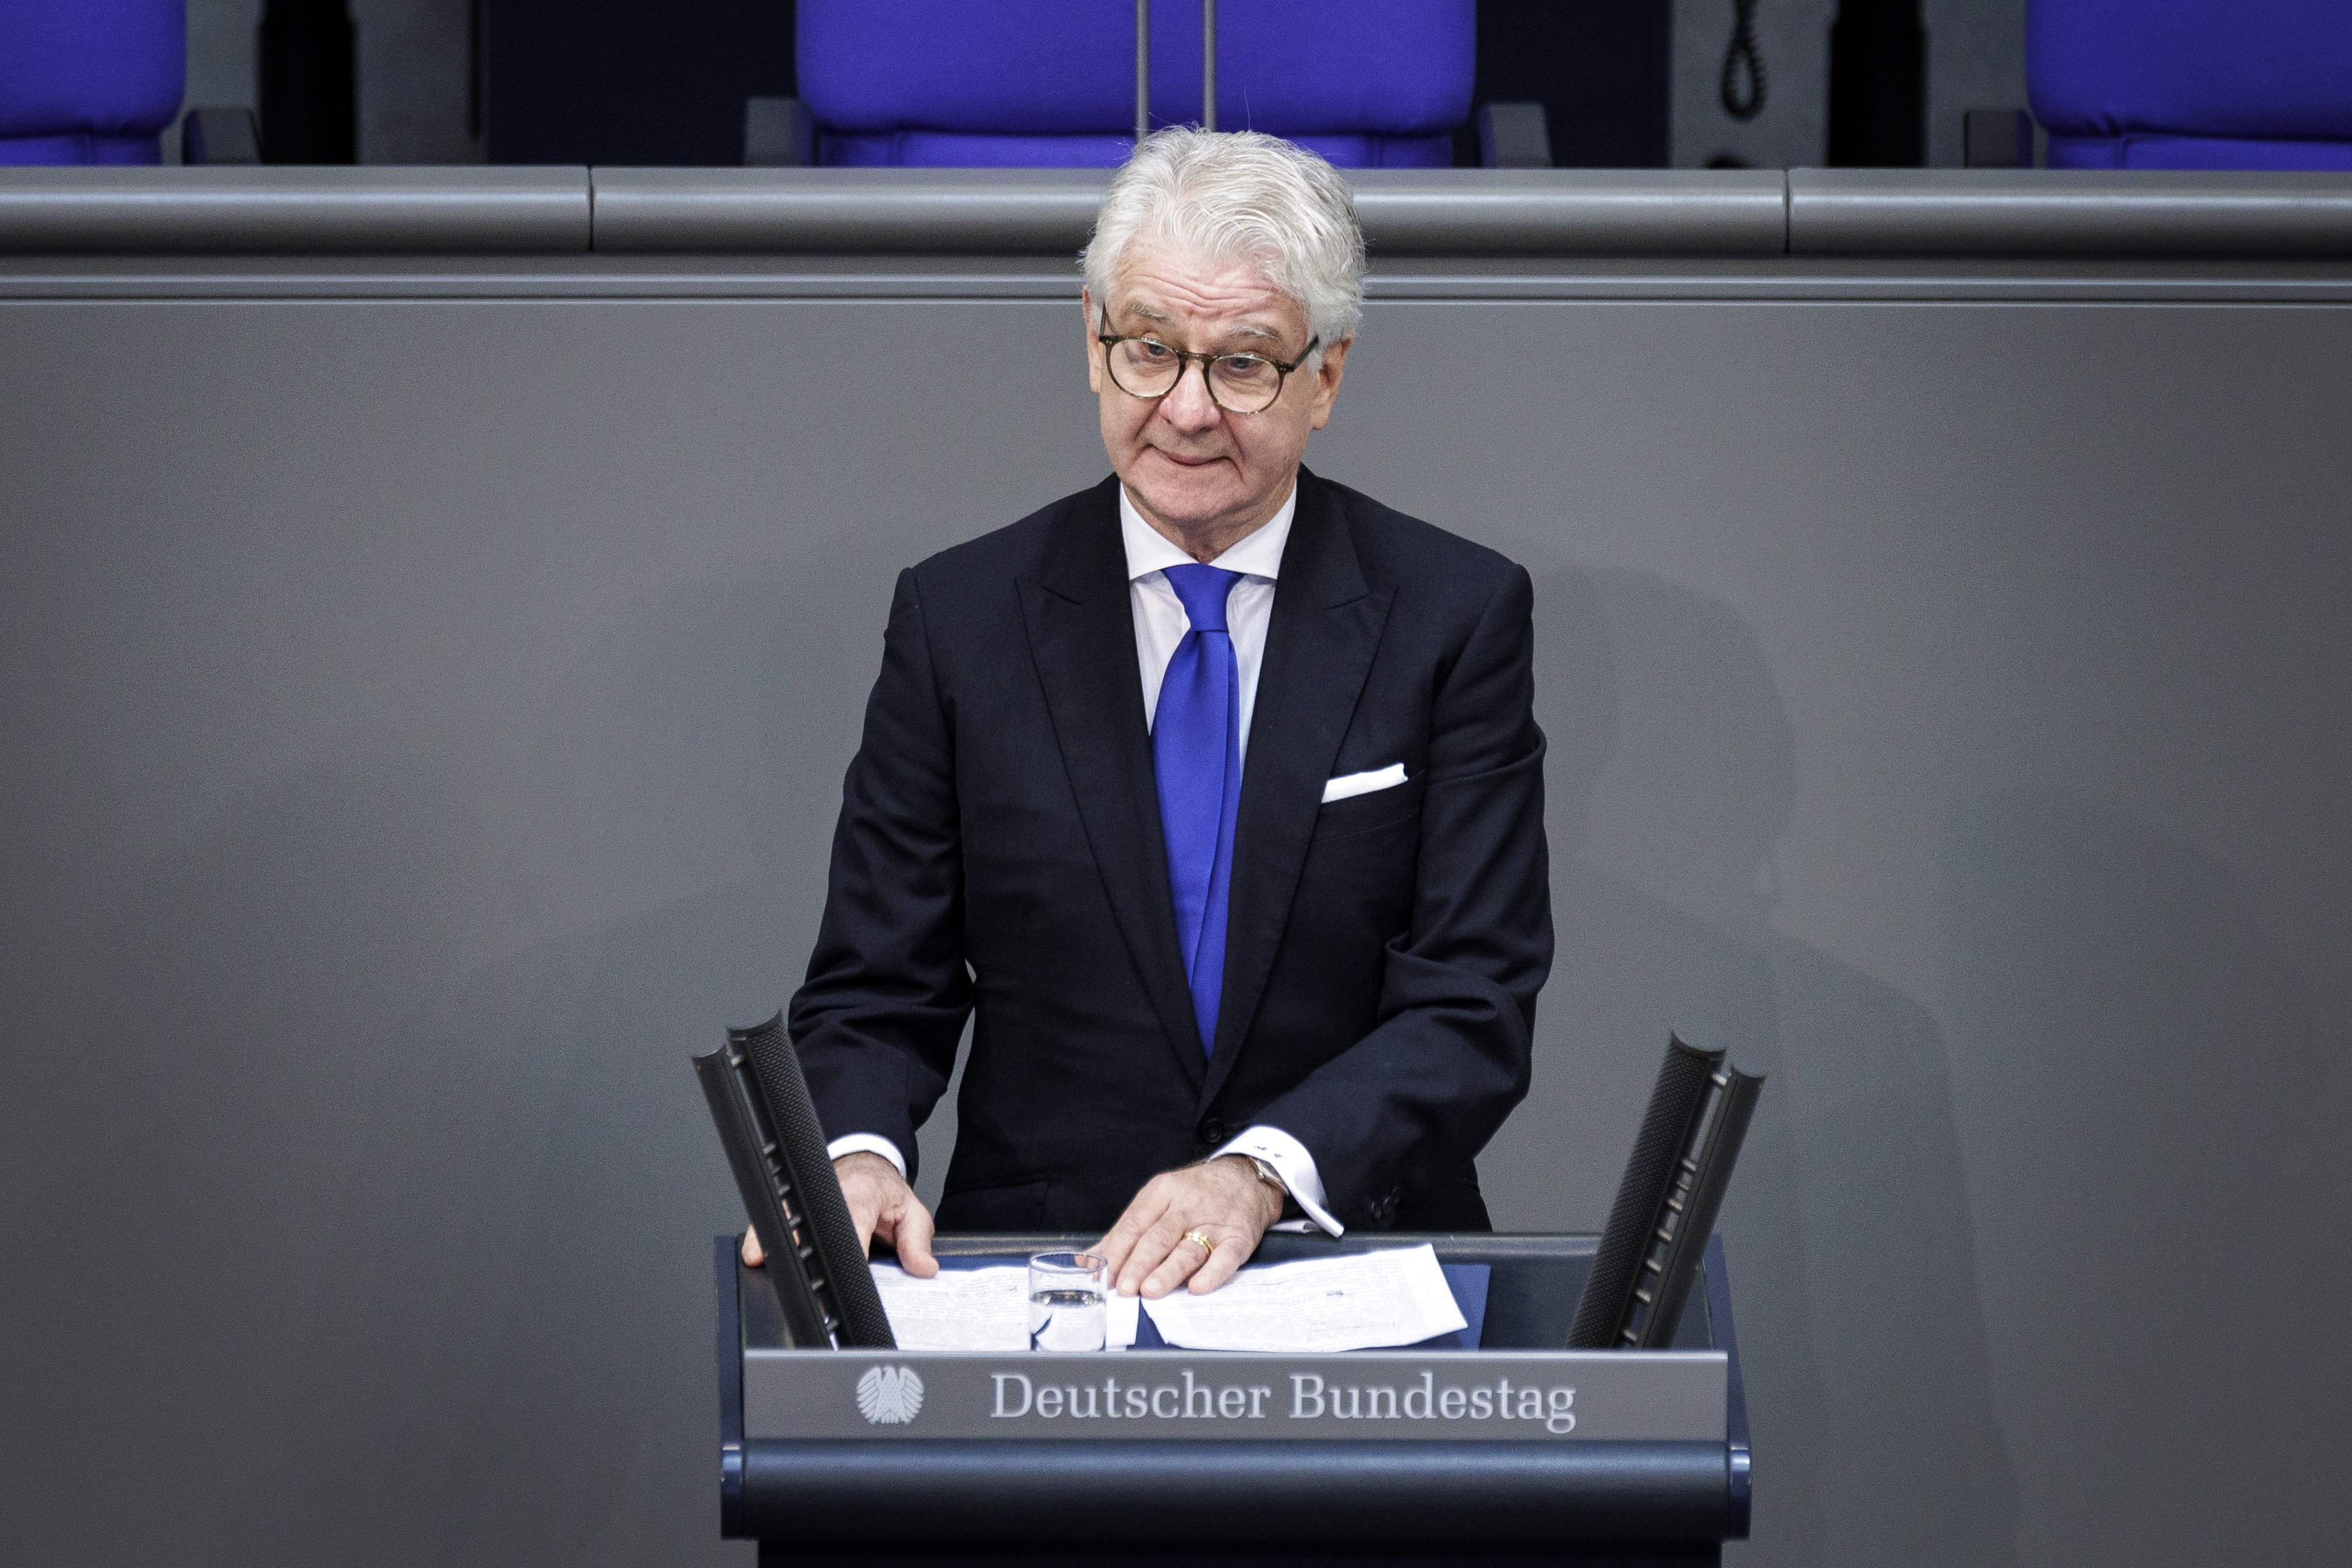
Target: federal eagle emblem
(889,1395)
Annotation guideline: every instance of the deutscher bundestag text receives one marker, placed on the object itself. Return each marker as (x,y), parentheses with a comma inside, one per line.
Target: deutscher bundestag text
(1312,1398)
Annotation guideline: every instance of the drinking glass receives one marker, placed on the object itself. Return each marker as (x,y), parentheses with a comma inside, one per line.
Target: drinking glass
(1065,1301)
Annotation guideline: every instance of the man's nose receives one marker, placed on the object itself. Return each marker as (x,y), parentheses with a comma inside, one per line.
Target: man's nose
(1188,405)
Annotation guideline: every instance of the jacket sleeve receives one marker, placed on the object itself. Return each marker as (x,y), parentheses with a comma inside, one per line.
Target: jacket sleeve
(888,993)
(1413,1101)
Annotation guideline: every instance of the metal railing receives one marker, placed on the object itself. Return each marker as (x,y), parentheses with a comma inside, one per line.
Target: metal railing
(1818,213)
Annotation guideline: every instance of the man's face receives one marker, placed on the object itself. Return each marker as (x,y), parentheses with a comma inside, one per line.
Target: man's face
(1192,467)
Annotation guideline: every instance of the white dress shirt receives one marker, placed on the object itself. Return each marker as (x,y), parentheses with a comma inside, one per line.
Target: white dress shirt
(1159,619)
(1161,624)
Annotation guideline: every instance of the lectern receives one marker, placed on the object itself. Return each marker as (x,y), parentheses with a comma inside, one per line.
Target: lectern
(1514,1451)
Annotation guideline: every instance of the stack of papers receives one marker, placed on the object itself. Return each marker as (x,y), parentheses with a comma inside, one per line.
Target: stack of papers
(1357,1301)
(1364,1300)
(957,1309)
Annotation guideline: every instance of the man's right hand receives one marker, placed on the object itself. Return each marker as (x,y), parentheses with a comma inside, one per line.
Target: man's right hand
(881,1205)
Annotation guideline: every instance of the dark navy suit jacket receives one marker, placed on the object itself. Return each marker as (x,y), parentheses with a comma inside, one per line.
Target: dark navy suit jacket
(1000,848)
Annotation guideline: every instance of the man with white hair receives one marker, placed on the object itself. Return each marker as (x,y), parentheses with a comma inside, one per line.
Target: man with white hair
(1215,790)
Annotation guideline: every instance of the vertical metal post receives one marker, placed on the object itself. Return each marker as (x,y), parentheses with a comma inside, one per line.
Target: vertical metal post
(1208,65)
(1142,69)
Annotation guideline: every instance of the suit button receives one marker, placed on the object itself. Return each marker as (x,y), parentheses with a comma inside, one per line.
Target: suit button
(1213,1132)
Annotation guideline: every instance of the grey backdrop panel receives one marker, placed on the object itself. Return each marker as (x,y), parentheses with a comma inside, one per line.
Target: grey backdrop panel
(426,700)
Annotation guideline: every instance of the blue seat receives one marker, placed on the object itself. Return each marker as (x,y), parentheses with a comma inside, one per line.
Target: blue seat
(2192,84)
(90,81)
(1047,83)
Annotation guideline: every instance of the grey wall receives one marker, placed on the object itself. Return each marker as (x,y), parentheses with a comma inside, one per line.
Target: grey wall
(427,698)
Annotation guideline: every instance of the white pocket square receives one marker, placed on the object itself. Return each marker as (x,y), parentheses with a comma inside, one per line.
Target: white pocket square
(1348,784)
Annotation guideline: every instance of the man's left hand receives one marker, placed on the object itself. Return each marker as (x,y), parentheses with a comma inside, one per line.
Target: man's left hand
(1149,1249)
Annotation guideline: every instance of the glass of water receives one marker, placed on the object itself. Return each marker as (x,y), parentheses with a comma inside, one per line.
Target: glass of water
(1065,1301)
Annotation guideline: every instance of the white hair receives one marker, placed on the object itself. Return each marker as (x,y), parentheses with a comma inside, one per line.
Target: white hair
(1239,195)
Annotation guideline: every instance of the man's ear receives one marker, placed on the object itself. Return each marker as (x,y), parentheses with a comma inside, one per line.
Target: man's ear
(1094,359)
(1328,373)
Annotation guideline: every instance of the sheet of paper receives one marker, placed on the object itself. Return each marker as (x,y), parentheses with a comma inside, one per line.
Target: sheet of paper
(1352,1302)
(957,1309)
(1120,1316)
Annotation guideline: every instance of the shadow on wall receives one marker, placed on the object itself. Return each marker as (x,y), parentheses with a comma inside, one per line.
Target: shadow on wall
(1671,773)
(2173,1207)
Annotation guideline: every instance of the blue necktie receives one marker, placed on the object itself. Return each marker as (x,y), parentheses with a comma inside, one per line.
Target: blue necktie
(1196,752)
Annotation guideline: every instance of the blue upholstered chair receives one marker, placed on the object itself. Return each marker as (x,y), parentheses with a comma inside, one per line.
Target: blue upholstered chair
(2192,84)
(90,81)
(1038,83)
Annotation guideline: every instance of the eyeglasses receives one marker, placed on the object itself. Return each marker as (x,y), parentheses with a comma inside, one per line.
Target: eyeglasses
(1238,382)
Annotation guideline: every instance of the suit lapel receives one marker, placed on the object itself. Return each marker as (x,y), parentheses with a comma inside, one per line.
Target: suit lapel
(1319,644)
(1082,639)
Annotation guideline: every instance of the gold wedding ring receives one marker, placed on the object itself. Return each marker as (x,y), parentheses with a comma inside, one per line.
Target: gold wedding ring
(1199,1240)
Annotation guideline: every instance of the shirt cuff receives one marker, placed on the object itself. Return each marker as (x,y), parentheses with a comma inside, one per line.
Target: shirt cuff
(1293,1163)
(871,1144)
